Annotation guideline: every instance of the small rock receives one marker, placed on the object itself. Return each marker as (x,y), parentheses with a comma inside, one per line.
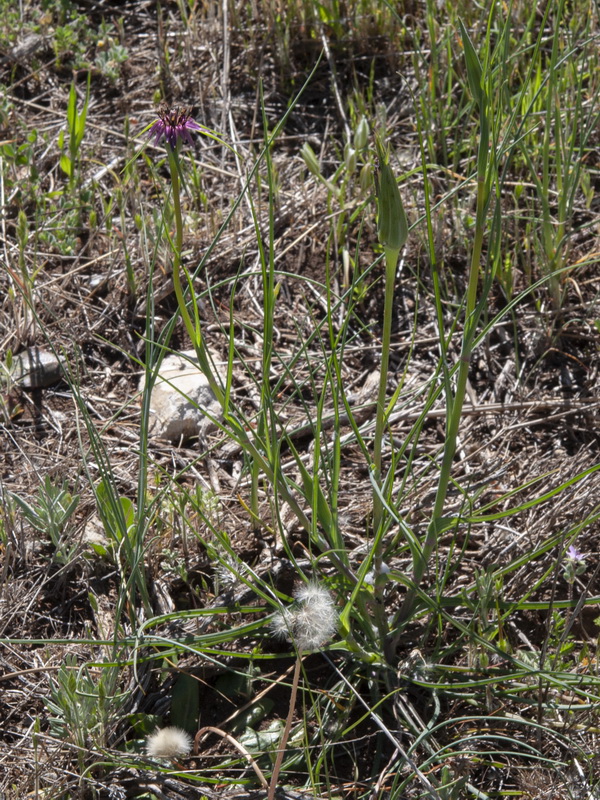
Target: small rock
(180,399)
(35,368)
(26,48)
(94,533)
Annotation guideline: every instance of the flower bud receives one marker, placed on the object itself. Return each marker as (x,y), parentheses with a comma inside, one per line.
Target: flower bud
(361,134)
(392,226)
(350,158)
(365,178)
(310,159)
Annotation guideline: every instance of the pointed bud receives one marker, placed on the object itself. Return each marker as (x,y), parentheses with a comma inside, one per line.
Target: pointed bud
(350,158)
(310,159)
(365,178)
(361,134)
(392,226)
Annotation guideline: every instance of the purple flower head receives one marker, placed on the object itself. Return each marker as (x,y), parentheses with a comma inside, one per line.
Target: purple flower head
(574,554)
(174,124)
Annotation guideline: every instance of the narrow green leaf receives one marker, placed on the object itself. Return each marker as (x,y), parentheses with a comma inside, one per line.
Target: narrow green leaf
(80,119)
(29,510)
(323,511)
(72,110)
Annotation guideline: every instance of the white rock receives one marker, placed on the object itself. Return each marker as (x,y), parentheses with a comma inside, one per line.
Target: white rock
(180,400)
(94,532)
(35,368)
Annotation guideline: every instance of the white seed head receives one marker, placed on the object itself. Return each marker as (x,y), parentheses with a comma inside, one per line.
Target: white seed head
(311,622)
(281,624)
(168,743)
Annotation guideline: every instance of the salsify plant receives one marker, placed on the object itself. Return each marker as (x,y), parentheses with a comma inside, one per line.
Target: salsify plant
(260,442)
(339,488)
(175,126)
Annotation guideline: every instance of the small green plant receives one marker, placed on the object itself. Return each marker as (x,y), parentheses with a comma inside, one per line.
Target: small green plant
(70,160)
(72,37)
(111,53)
(83,708)
(50,514)
(109,62)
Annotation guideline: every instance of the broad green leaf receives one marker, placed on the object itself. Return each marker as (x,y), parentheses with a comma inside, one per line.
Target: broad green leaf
(66,165)
(185,703)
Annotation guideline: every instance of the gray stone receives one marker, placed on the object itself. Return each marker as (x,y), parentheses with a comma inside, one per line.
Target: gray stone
(95,535)
(35,368)
(180,398)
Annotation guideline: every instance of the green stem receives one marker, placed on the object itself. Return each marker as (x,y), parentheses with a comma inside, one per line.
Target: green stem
(391,262)
(193,330)
(178,244)
(273,473)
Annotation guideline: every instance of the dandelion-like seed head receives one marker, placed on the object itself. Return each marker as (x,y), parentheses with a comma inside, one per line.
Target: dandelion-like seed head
(281,624)
(311,622)
(168,743)
(175,125)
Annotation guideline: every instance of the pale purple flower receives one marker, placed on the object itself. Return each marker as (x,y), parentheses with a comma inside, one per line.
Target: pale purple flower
(574,564)
(175,125)
(574,554)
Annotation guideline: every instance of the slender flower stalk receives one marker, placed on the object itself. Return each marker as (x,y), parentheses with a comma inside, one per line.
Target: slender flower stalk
(176,126)
(310,623)
(573,566)
(392,229)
